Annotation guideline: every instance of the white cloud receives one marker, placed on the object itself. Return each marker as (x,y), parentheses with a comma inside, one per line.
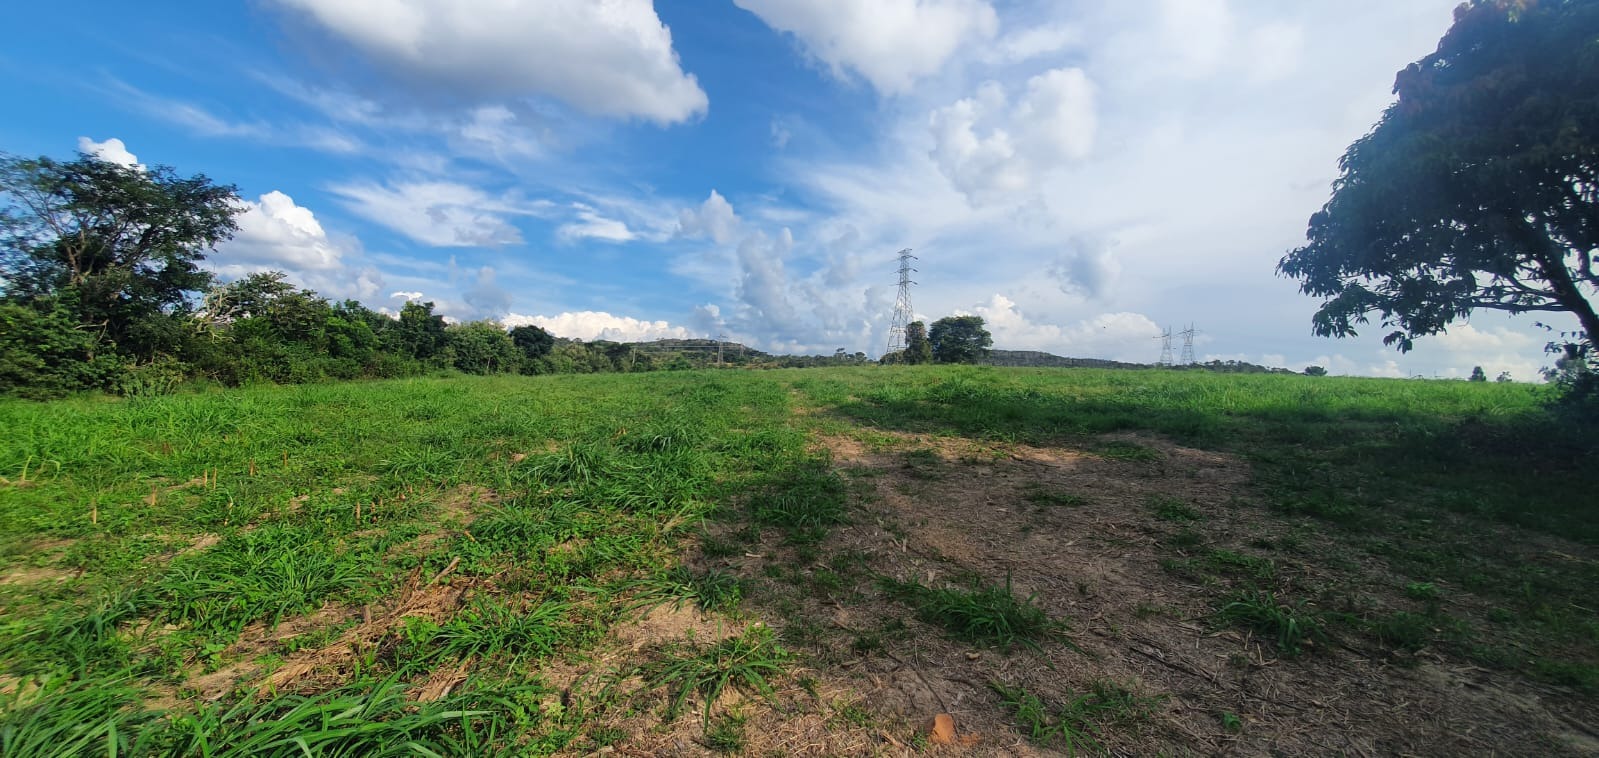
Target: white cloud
(603,57)
(892,43)
(990,153)
(1114,336)
(599,325)
(592,225)
(275,234)
(714,219)
(437,213)
(111,150)
(1198,32)
(406,296)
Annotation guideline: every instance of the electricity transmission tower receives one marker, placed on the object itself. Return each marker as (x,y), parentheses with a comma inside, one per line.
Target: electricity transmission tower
(1165,348)
(903,313)
(1188,344)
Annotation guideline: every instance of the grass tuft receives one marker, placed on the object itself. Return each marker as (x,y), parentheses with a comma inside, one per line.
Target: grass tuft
(983,615)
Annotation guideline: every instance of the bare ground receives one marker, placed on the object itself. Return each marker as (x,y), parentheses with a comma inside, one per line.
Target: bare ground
(953,508)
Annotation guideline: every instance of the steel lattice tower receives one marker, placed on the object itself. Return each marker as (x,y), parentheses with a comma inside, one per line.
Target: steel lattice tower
(1188,344)
(1165,348)
(903,312)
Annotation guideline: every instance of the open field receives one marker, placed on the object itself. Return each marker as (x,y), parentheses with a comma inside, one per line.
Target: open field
(802,562)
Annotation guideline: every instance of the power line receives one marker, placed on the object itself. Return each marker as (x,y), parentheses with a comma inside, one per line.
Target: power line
(903,312)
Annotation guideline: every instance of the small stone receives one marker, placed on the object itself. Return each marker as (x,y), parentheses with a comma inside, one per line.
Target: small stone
(974,655)
(943,730)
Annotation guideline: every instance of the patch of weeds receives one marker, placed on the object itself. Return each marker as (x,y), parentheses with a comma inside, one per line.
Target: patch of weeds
(854,715)
(725,734)
(1578,675)
(1172,509)
(1292,627)
(1231,562)
(1186,538)
(1122,450)
(1043,496)
(1231,723)
(714,590)
(1079,722)
(1403,630)
(714,546)
(750,660)
(983,615)
(807,497)
(1423,591)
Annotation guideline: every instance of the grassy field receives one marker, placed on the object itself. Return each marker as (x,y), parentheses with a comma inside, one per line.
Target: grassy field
(737,561)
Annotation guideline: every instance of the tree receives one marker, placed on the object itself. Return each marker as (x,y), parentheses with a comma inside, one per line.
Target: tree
(1476,189)
(959,339)
(420,331)
(115,246)
(917,348)
(482,347)
(533,341)
(1477,375)
(1315,371)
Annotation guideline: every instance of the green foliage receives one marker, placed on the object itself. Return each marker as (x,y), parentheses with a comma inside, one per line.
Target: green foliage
(959,339)
(482,347)
(117,247)
(1477,374)
(1504,115)
(1291,626)
(1076,722)
(750,660)
(918,349)
(46,354)
(533,341)
(1315,371)
(983,615)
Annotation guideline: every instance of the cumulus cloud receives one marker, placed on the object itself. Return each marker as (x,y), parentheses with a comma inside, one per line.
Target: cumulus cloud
(276,234)
(714,219)
(990,150)
(1117,336)
(111,150)
(599,325)
(603,57)
(891,43)
(437,213)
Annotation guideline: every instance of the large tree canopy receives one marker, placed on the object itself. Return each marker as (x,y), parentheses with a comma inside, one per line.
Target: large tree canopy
(116,245)
(1478,188)
(959,339)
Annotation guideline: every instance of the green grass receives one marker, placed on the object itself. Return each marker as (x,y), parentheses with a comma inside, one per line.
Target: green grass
(749,661)
(162,530)
(988,615)
(1292,627)
(1076,723)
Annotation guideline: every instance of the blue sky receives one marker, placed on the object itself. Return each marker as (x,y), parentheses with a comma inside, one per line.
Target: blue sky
(1080,174)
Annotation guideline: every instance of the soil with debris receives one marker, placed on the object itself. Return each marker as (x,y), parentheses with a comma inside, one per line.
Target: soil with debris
(939,510)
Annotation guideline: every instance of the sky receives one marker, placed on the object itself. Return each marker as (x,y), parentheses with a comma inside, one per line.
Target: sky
(1080,174)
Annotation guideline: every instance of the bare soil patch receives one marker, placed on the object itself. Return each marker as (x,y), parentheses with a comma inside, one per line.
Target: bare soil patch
(1082,531)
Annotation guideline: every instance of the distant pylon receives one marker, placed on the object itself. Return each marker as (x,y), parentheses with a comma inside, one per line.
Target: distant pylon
(1165,348)
(1188,345)
(903,312)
